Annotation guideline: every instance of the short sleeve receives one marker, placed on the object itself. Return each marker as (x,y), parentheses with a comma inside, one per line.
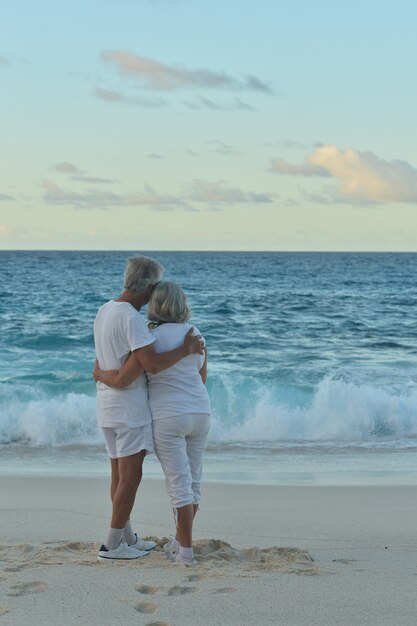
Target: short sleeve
(138,335)
(197,332)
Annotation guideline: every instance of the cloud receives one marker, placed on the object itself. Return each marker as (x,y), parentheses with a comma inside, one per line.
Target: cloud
(210,104)
(362,176)
(95,180)
(109,95)
(288,144)
(154,155)
(4,231)
(12,60)
(199,191)
(96,199)
(67,168)
(239,105)
(5,198)
(205,103)
(161,77)
(279,166)
(223,148)
(80,175)
(218,193)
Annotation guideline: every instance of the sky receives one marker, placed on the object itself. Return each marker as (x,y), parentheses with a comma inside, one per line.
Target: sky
(196,125)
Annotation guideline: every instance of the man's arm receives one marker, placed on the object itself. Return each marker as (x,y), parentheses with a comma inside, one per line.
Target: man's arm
(147,358)
(123,377)
(154,362)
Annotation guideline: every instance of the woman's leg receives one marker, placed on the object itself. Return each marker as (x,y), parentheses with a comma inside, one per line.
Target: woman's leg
(170,448)
(185,525)
(196,443)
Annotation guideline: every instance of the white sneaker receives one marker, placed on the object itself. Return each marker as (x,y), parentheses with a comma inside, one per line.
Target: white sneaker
(180,560)
(171,548)
(141,544)
(123,552)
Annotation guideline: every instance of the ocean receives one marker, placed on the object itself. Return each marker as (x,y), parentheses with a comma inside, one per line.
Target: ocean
(312,363)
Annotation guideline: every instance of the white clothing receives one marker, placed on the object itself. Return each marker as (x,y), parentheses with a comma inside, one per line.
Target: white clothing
(179,445)
(125,441)
(178,389)
(118,330)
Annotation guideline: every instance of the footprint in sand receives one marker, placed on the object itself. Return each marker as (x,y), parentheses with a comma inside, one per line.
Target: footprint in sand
(226,590)
(193,578)
(308,571)
(4,610)
(22,589)
(181,591)
(14,568)
(147,589)
(147,607)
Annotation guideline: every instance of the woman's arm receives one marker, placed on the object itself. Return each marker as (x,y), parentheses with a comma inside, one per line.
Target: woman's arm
(203,371)
(122,377)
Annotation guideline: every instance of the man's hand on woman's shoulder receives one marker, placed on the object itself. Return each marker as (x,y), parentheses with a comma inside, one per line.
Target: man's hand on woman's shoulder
(194,344)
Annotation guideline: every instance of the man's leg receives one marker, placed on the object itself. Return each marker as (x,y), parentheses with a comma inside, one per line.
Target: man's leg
(129,476)
(126,474)
(114,477)
(128,534)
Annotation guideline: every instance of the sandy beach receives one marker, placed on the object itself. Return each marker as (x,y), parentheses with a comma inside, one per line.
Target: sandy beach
(267,555)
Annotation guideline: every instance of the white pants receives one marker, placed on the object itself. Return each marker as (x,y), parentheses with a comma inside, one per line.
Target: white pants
(179,445)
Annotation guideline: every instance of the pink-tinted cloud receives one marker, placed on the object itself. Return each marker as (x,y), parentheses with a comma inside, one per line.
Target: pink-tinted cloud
(112,96)
(279,166)
(161,77)
(362,176)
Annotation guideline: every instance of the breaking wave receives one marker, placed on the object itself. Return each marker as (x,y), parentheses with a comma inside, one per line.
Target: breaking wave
(244,411)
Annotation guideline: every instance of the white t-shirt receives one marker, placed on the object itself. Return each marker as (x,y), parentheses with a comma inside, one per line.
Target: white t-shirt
(118,330)
(178,389)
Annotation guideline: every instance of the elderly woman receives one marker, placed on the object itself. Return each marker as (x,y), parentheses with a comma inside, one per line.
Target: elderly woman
(180,409)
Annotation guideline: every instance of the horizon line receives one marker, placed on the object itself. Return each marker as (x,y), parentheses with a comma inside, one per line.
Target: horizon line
(129,250)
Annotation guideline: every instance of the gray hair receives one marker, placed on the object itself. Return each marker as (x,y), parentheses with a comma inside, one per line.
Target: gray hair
(168,303)
(141,272)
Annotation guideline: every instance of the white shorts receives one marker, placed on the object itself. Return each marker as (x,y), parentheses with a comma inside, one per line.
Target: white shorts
(179,445)
(124,441)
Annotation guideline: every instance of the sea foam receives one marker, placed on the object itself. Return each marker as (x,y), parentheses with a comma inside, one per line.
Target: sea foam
(338,411)
(335,411)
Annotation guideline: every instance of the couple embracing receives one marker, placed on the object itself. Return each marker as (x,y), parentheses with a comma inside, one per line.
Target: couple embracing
(151,396)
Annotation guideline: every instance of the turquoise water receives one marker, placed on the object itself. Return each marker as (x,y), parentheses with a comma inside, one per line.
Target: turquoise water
(312,362)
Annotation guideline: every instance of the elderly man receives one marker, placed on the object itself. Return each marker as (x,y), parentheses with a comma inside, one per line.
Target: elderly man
(124,414)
